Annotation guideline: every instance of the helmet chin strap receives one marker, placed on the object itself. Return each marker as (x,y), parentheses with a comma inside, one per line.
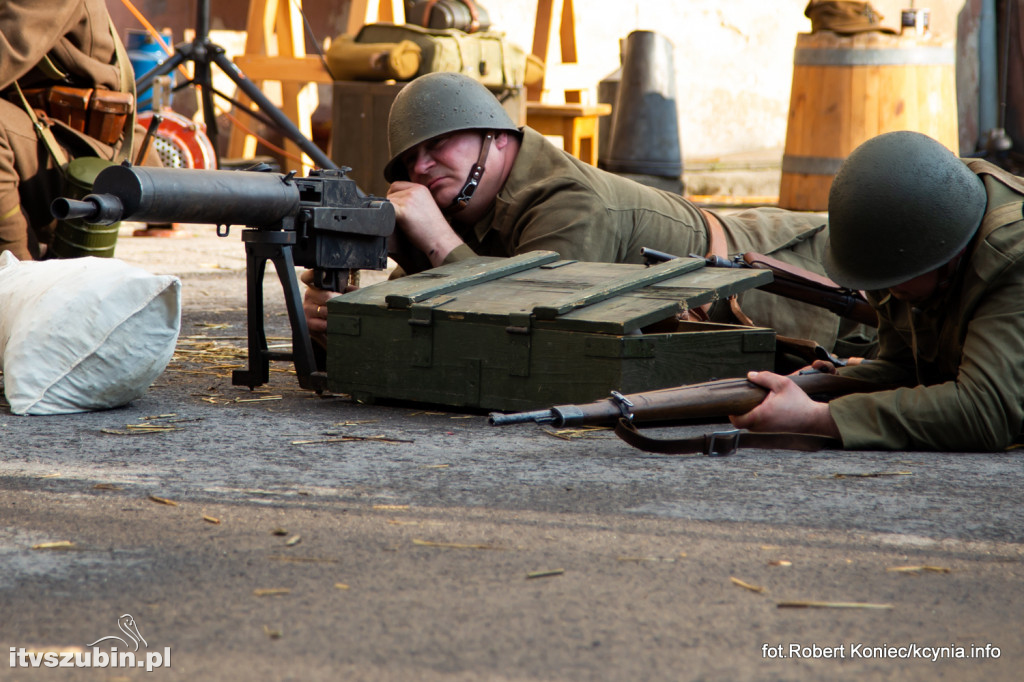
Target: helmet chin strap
(466,193)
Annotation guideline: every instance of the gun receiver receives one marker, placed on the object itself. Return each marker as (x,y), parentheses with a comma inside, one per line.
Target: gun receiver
(322,221)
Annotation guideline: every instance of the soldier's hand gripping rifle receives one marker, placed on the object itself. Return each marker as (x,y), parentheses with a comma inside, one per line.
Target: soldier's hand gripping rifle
(322,221)
(689,404)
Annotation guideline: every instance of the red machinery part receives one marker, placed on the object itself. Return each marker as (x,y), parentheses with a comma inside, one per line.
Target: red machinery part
(180,141)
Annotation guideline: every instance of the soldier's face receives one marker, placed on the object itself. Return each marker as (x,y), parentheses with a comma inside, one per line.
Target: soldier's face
(443,163)
(918,289)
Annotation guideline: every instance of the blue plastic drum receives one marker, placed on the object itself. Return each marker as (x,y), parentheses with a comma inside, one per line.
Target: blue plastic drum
(144,54)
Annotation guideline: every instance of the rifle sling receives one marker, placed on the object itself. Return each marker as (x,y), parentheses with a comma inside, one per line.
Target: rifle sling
(722,443)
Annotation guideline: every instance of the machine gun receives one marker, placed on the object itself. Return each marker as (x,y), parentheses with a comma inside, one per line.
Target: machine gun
(322,221)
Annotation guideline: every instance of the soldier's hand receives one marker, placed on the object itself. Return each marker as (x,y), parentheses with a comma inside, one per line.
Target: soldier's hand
(786,408)
(419,217)
(314,306)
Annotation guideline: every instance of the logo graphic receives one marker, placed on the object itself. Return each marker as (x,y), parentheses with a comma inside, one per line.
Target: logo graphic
(128,627)
(93,656)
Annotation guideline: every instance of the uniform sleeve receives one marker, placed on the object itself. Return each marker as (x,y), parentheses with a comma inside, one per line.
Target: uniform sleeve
(981,410)
(28,30)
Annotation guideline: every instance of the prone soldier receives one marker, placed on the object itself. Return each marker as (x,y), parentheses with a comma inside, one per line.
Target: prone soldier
(467,181)
(949,293)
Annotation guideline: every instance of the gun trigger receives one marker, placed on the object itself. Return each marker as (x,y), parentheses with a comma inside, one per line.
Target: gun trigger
(326,280)
(223,230)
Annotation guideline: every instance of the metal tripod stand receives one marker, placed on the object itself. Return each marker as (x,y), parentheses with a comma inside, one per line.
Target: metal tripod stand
(203,53)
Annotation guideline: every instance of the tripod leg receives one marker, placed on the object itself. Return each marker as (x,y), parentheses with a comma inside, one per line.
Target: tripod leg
(261,247)
(268,107)
(302,346)
(203,79)
(162,69)
(259,362)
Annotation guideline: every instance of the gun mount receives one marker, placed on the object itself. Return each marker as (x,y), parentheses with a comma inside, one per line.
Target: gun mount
(322,221)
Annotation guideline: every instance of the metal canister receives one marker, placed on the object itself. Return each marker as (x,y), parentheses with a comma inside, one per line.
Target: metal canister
(915,20)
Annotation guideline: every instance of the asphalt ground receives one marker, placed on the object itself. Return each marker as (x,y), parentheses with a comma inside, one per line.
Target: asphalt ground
(278,534)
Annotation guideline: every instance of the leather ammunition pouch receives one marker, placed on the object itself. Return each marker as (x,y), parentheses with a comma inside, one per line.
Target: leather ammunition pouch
(100,114)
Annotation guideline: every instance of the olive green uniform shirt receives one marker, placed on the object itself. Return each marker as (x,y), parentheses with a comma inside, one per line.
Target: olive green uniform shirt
(959,357)
(553,201)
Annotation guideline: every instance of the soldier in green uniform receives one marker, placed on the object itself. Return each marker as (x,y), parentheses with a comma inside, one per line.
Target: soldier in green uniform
(939,245)
(467,182)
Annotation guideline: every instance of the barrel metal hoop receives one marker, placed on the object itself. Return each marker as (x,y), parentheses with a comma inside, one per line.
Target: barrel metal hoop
(810,165)
(807,56)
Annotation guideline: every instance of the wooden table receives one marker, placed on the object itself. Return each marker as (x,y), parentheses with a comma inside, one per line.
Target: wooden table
(576,123)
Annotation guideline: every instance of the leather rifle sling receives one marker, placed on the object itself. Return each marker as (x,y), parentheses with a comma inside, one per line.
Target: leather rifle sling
(722,443)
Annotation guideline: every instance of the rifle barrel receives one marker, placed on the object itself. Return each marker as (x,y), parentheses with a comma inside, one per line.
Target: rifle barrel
(539,416)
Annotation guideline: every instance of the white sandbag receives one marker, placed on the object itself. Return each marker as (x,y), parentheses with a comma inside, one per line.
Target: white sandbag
(83,334)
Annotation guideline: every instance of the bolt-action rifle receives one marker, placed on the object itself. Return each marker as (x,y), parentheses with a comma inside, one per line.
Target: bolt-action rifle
(322,221)
(791,282)
(691,404)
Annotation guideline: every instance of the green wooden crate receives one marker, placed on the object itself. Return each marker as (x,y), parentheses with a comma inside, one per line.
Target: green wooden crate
(531,331)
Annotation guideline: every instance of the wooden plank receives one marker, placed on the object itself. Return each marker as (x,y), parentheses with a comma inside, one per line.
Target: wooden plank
(492,302)
(637,309)
(283,68)
(421,289)
(655,273)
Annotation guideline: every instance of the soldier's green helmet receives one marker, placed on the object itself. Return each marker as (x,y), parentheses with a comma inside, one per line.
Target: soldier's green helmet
(901,205)
(437,104)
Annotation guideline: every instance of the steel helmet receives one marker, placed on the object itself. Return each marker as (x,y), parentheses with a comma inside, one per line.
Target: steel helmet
(901,205)
(437,104)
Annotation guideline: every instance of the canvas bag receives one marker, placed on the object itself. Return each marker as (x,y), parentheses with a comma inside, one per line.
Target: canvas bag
(83,334)
(486,56)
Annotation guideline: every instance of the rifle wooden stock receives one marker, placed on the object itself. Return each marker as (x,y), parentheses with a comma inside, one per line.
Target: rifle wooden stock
(792,282)
(684,403)
(807,287)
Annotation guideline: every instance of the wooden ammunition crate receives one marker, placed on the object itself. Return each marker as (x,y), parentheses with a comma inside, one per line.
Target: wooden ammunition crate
(531,331)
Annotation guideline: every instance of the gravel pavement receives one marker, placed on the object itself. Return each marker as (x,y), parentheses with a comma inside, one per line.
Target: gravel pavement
(278,534)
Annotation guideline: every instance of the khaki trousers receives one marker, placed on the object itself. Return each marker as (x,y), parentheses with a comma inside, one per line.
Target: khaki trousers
(29,181)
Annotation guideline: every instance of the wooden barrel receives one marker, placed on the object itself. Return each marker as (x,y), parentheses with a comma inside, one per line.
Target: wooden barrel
(848,89)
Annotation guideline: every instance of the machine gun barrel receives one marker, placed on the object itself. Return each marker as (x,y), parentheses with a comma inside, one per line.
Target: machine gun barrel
(91,209)
(174,195)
